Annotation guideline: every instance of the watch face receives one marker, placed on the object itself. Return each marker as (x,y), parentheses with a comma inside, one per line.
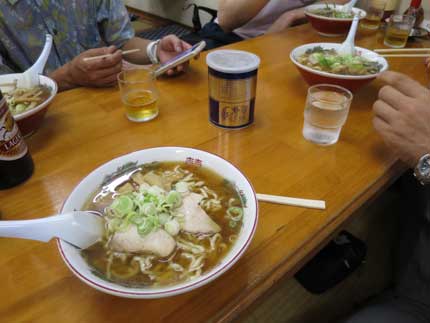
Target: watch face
(425,167)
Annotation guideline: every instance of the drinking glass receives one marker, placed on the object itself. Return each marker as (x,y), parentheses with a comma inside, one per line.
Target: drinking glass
(326,111)
(398,29)
(139,94)
(374,13)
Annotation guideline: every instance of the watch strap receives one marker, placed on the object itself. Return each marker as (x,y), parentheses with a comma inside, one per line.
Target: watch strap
(151,51)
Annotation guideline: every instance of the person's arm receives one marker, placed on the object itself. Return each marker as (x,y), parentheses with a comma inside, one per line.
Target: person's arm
(293,17)
(100,72)
(427,63)
(402,116)
(169,47)
(233,14)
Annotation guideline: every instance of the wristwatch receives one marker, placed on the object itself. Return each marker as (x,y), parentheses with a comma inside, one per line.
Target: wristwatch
(151,51)
(422,170)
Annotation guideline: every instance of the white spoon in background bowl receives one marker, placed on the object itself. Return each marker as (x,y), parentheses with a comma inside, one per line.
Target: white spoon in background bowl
(80,228)
(348,47)
(348,6)
(30,77)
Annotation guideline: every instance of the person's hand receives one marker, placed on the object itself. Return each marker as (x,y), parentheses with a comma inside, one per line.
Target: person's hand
(169,47)
(101,72)
(402,116)
(284,21)
(427,64)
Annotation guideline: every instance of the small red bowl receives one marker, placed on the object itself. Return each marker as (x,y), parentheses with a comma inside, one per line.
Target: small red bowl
(331,27)
(351,82)
(29,121)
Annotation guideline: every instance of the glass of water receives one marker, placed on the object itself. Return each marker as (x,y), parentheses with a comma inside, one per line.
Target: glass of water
(326,110)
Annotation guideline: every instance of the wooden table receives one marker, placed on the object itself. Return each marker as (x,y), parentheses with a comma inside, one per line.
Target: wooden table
(85,128)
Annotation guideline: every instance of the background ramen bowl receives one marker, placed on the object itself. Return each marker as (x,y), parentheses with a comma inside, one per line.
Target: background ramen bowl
(351,82)
(91,183)
(330,27)
(29,121)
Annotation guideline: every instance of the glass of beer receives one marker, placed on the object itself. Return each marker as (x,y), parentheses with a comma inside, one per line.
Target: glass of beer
(374,13)
(139,94)
(326,111)
(398,29)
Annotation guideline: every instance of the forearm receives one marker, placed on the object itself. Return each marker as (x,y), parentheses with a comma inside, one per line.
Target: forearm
(139,57)
(63,78)
(233,14)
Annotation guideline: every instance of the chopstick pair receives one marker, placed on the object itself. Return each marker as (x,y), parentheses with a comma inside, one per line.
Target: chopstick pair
(126,52)
(415,52)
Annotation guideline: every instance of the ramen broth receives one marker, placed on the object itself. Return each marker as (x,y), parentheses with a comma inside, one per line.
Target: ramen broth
(146,269)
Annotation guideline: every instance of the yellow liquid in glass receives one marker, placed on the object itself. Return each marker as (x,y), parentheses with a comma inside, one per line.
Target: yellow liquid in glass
(395,37)
(370,22)
(141,105)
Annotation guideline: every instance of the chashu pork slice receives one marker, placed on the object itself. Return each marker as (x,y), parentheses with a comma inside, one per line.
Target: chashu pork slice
(158,242)
(196,220)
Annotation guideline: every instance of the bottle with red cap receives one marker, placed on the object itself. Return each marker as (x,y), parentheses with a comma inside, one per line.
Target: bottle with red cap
(416,10)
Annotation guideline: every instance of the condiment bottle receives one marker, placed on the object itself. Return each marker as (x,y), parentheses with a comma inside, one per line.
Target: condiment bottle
(16,164)
(417,11)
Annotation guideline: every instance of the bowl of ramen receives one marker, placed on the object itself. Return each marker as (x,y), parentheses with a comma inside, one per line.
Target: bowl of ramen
(329,19)
(320,63)
(28,105)
(176,219)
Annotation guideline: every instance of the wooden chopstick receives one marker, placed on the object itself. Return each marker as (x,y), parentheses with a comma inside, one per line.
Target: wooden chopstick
(406,55)
(86,59)
(390,50)
(312,204)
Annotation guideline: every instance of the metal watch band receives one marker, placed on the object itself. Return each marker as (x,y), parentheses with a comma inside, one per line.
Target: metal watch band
(151,51)
(422,170)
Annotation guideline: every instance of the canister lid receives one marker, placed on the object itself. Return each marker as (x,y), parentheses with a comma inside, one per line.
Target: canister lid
(232,61)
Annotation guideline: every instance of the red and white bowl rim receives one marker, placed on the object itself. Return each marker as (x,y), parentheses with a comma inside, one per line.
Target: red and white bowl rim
(170,291)
(301,49)
(308,12)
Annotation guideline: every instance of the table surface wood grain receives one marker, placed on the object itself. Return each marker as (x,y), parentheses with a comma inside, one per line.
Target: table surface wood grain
(85,128)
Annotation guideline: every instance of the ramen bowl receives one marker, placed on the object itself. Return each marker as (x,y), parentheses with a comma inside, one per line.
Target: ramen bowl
(29,121)
(330,26)
(351,82)
(197,158)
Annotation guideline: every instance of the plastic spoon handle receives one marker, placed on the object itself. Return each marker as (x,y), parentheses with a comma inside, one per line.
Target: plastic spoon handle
(348,7)
(81,229)
(39,65)
(348,47)
(30,77)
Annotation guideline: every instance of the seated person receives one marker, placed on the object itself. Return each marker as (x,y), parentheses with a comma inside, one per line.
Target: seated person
(80,28)
(402,118)
(243,19)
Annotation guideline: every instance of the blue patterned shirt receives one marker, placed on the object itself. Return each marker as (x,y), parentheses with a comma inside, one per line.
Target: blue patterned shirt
(76,25)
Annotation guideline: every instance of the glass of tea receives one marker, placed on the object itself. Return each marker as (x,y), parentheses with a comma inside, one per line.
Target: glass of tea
(398,29)
(374,12)
(326,111)
(139,94)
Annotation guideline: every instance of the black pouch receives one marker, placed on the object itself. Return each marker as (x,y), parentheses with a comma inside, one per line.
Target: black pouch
(333,263)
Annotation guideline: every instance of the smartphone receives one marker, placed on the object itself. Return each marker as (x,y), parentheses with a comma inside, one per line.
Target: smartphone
(181,58)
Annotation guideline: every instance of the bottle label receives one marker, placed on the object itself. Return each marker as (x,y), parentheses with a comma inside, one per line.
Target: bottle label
(12,146)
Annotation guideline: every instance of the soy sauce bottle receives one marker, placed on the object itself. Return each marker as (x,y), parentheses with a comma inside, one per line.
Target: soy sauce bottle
(16,164)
